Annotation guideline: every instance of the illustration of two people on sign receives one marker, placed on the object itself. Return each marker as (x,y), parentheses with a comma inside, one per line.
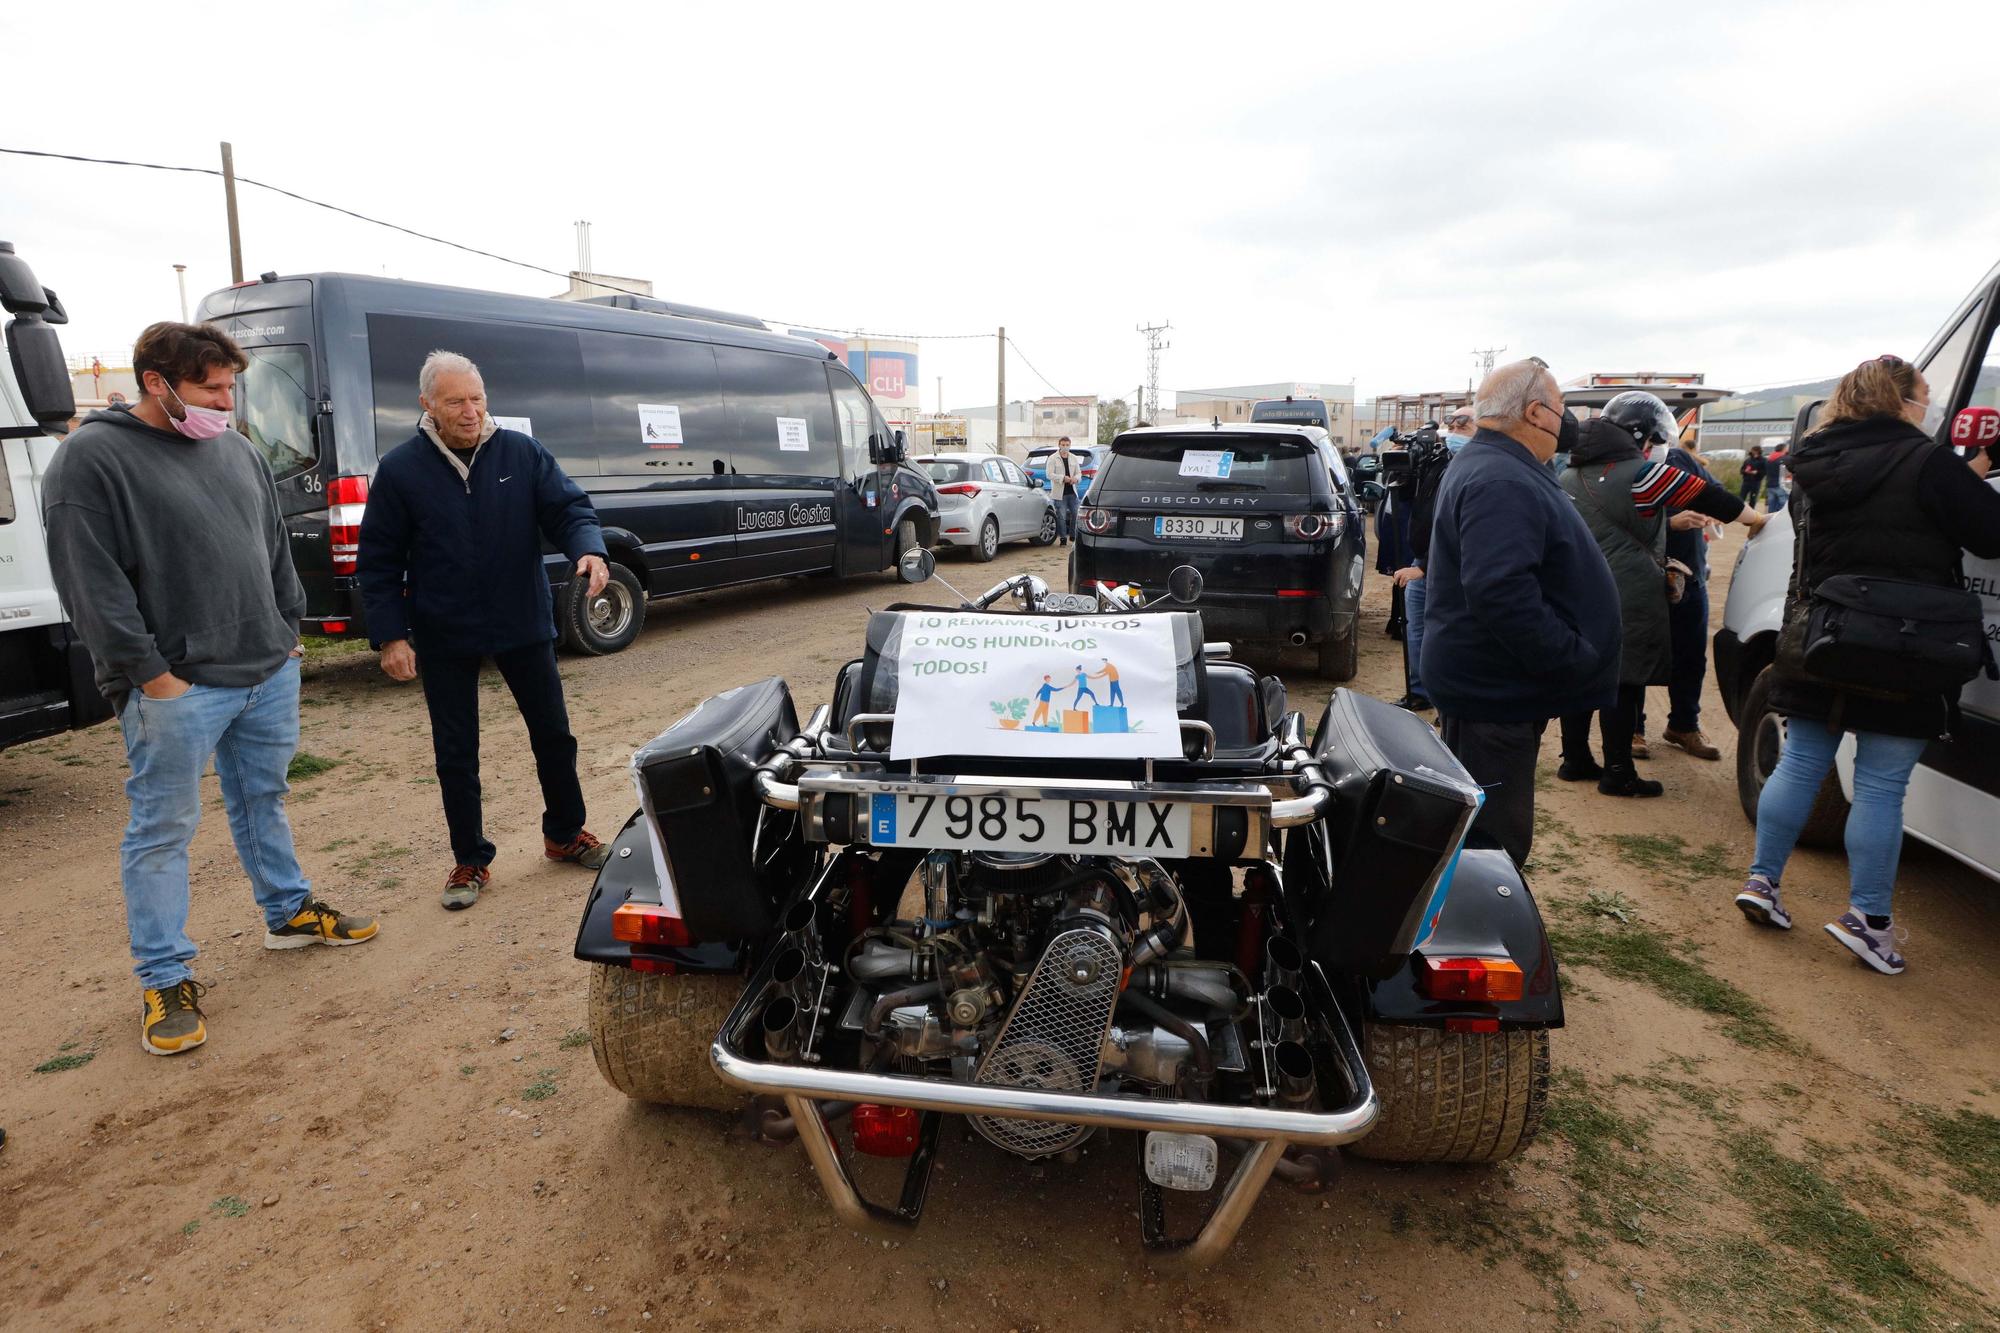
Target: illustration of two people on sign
(1047,691)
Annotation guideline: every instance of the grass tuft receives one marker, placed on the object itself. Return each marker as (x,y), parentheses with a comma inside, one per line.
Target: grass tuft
(1967,1143)
(543,1088)
(1668,854)
(1587,934)
(59,1064)
(230,1206)
(307,765)
(574,1038)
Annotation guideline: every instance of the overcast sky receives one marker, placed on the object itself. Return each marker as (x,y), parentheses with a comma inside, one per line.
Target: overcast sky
(1762,192)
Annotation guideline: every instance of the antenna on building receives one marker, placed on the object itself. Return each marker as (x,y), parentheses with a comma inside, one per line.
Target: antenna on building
(583,248)
(1155,344)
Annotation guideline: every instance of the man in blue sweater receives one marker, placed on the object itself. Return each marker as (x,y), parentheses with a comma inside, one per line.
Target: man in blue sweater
(1521,619)
(451,574)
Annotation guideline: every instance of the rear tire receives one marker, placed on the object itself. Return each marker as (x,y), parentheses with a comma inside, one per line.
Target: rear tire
(1340,658)
(651,1033)
(1760,741)
(1454,1096)
(988,544)
(609,621)
(1050,529)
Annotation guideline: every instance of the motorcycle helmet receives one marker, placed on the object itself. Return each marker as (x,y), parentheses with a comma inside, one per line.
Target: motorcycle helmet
(1649,421)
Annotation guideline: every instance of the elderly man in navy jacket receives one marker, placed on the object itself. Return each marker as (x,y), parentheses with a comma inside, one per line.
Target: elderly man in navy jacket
(1521,623)
(451,574)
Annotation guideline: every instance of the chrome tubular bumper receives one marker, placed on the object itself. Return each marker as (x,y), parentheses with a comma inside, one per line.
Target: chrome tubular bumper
(1272,1128)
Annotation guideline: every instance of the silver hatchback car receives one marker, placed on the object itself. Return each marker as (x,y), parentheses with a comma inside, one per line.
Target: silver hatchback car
(985,499)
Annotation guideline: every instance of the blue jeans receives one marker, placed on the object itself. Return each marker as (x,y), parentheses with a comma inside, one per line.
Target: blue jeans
(1882,767)
(1413,631)
(252,733)
(1066,507)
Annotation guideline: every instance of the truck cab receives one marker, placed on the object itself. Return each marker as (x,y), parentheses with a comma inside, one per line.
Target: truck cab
(1953,802)
(46,682)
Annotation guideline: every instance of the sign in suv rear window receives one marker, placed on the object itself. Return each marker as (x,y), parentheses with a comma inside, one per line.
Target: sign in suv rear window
(1192,465)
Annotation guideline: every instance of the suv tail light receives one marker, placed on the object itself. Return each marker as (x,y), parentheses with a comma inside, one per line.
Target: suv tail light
(1315,527)
(1099,521)
(959,488)
(1470,979)
(346,498)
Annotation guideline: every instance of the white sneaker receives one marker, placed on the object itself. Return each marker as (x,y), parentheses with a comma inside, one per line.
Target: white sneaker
(1759,902)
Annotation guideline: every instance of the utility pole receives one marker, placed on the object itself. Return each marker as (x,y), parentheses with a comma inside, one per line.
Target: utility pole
(181,276)
(1139,406)
(229,196)
(1486,355)
(1000,413)
(1155,344)
(583,248)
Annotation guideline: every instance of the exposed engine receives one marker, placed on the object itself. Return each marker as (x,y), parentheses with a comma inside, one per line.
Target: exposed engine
(1058,973)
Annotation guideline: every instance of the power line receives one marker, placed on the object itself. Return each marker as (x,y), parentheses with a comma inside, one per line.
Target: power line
(439,240)
(1037,373)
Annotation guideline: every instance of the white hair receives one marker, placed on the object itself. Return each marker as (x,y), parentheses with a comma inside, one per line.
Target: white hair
(440,363)
(1506,394)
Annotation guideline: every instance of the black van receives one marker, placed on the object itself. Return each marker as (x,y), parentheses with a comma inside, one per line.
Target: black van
(1265,512)
(716,452)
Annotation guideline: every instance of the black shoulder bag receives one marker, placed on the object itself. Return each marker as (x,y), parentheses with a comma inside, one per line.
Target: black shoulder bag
(1891,634)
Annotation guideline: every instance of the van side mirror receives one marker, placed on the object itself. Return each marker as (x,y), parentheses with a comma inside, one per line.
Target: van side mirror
(890,450)
(39,368)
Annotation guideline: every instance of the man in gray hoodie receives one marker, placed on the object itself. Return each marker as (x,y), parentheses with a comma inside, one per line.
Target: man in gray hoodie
(171,556)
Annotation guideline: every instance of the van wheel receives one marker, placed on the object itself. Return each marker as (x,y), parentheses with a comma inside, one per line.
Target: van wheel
(1760,741)
(1454,1096)
(1046,534)
(651,1034)
(907,538)
(609,621)
(989,540)
(1340,658)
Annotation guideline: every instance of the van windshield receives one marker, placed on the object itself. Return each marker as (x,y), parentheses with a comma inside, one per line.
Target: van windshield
(1209,465)
(274,407)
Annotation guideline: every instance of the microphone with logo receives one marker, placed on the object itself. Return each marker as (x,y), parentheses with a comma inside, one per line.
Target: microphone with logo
(1974,429)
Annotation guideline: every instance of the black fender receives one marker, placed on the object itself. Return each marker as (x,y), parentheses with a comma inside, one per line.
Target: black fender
(629,877)
(911,506)
(1489,910)
(628,550)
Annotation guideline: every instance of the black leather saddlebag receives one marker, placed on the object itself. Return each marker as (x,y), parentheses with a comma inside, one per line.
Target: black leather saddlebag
(697,787)
(1401,806)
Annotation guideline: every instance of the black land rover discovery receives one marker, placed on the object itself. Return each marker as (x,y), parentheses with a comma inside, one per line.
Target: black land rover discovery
(1265,512)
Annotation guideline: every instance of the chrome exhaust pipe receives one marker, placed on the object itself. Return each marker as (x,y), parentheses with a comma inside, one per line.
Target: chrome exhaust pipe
(1282,963)
(1298,639)
(1295,1074)
(781,1028)
(1284,1015)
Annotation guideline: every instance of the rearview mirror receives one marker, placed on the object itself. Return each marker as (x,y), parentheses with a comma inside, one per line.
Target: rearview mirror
(1806,420)
(916,566)
(40,370)
(1184,584)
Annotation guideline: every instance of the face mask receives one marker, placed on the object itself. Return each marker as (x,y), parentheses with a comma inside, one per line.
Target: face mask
(1454,441)
(1566,437)
(1933,416)
(200,423)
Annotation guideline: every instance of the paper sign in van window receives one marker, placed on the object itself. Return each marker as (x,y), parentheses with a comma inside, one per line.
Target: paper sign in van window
(1207,463)
(660,425)
(525,425)
(792,437)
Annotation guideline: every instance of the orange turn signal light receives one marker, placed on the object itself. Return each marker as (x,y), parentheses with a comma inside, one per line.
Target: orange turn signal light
(649,923)
(1471,978)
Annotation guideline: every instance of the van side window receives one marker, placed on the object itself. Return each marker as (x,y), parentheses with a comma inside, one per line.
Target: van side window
(852,406)
(531,372)
(1986,389)
(1941,371)
(769,394)
(275,406)
(623,371)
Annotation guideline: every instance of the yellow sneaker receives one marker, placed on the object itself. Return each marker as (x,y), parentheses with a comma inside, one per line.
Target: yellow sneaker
(171,1020)
(316,923)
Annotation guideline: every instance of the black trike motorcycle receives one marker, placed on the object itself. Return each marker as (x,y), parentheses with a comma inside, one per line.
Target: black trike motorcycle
(1243,956)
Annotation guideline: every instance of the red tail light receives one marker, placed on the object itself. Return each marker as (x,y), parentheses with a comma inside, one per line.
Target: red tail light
(1470,979)
(346,499)
(959,488)
(1315,527)
(1099,521)
(885,1131)
(649,923)
(1300,592)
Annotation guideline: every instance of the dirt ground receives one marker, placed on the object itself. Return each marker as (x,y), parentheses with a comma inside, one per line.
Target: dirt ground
(1748,1129)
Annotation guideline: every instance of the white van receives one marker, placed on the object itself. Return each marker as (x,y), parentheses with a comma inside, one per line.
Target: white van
(1954,796)
(46,682)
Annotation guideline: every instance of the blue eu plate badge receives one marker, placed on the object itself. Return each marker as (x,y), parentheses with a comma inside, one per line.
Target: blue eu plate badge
(882,820)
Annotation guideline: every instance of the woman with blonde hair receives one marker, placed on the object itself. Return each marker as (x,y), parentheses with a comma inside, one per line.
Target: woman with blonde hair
(1876,495)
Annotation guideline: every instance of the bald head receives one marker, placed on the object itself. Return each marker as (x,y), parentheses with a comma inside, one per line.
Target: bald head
(1522,401)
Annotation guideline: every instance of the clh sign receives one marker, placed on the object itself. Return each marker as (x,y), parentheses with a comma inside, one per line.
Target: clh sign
(890,376)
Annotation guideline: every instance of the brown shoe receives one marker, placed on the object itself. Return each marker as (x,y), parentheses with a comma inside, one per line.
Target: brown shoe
(1693,742)
(584,850)
(1640,749)
(462,886)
